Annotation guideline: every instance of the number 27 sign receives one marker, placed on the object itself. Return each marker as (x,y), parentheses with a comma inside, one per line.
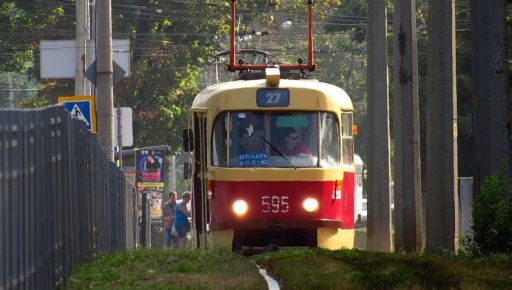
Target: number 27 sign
(273,98)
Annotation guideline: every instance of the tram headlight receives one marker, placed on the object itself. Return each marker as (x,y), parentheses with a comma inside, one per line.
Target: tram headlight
(240,207)
(310,204)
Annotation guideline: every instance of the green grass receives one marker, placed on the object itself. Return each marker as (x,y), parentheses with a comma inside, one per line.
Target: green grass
(168,269)
(354,269)
(315,269)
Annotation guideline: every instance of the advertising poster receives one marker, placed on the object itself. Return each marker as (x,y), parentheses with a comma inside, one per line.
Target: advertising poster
(154,192)
(150,165)
(150,177)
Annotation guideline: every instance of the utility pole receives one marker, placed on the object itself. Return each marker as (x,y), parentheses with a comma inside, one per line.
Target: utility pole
(104,70)
(491,114)
(82,35)
(406,129)
(12,97)
(171,173)
(441,198)
(379,201)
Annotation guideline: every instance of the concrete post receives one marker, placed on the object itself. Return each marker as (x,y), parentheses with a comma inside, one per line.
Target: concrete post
(82,35)
(491,111)
(379,202)
(407,177)
(441,195)
(104,69)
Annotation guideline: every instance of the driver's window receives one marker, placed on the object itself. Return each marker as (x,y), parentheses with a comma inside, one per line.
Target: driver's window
(298,133)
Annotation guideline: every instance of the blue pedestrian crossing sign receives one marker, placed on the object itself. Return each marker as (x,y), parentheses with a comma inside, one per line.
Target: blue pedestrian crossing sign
(81,108)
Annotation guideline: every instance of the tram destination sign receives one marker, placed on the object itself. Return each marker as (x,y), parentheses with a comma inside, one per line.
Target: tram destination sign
(273,97)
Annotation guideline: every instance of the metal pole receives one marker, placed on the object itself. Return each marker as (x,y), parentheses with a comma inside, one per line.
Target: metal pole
(119,137)
(144,222)
(171,173)
(232,47)
(105,94)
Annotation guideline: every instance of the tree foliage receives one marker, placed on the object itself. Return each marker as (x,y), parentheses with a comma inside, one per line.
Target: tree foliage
(169,44)
(173,44)
(492,216)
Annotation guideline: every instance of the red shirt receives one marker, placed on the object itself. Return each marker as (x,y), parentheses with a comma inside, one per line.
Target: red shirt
(299,149)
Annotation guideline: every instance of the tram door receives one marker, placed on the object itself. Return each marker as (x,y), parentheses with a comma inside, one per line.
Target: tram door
(200,202)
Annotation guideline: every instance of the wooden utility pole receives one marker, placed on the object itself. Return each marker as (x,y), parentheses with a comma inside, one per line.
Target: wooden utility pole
(406,129)
(379,201)
(104,90)
(441,198)
(491,111)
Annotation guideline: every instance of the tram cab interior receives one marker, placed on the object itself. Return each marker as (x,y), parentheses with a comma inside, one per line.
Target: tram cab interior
(257,139)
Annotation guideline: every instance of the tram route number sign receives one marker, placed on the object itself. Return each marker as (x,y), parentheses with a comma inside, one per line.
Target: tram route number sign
(274,204)
(273,98)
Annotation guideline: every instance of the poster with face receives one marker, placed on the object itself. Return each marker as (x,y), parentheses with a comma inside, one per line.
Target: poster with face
(150,179)
(150,165)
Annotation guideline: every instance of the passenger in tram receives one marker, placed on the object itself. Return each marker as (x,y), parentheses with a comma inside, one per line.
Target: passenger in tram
(182,224)
(292,145)
(251,134)
(169,214)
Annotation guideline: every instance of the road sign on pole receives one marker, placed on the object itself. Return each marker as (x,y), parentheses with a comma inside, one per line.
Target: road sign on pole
(58,57)
(119,73)
(81,108)
(123,127)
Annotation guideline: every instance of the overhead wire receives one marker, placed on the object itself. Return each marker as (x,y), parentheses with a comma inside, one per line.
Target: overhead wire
(350,21)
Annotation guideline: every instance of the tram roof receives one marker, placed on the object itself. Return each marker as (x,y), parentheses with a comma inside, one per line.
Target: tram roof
(230,95)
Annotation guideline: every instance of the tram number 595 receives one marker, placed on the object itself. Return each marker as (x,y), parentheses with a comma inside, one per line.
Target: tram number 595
(275,204)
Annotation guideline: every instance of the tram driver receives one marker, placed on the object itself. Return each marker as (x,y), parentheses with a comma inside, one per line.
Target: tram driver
(292,145)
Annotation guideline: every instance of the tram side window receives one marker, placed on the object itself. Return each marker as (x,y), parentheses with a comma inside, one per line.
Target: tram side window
(347,141)
(219,154)
(330,140)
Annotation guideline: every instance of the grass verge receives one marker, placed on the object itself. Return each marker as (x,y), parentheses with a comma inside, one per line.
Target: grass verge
(354,269)
(168,269)
(294,269)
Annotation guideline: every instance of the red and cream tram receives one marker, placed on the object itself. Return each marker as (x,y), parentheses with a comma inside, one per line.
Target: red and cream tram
(272,162)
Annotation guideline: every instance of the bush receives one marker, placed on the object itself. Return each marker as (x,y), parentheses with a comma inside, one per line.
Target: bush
(492,216)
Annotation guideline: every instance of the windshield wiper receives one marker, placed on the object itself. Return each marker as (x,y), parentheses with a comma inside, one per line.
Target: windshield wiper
(278,151)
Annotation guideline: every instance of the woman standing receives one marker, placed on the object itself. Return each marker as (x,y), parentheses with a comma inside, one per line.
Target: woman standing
(169,214)
(182,224)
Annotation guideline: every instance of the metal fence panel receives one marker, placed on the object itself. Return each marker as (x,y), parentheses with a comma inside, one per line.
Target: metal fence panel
(3,210)
(62,201)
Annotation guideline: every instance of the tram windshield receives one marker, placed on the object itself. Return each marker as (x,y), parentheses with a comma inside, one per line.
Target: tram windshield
(276,139)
